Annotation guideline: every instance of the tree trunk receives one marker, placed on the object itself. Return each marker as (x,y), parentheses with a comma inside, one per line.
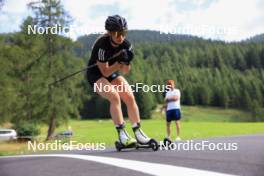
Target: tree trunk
(52,122)
(52,126)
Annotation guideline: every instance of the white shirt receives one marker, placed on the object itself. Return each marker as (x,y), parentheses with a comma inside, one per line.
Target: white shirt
(173,104)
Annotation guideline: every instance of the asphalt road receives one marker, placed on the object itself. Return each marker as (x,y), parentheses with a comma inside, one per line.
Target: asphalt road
(244,155)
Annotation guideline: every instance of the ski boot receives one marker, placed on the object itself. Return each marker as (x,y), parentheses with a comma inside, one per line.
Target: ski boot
(143,140)
(125,140)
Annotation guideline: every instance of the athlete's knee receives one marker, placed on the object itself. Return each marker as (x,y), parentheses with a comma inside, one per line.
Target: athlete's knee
(129,99)
(114,98)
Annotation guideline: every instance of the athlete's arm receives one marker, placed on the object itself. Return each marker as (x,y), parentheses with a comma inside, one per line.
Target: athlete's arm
(107,70)
(125,68)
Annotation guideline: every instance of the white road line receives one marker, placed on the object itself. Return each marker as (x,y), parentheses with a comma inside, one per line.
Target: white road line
(145,167)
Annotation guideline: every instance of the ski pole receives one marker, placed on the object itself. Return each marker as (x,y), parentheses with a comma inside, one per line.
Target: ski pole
(84,69)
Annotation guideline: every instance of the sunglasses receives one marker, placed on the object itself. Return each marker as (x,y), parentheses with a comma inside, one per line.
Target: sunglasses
(120,33)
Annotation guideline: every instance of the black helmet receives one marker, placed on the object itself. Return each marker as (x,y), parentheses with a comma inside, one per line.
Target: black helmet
(115,23)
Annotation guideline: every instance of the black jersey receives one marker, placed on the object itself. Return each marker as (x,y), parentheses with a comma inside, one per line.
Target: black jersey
(103,50)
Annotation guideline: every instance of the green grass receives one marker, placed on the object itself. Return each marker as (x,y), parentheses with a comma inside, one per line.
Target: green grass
(12,148)
(104,131)
(208,114)
(97,131)
(197,122)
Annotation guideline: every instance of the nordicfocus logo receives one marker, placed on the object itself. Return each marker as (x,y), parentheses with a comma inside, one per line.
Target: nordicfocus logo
(191,145)
(129,88)
(59,145)
(201,30)
(68,31)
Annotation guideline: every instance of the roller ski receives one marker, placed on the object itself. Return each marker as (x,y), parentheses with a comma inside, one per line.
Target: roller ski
(141,141)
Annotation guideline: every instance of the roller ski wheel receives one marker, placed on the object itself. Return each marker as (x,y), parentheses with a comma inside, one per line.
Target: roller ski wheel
(154,144)
(119,146)
(167,141)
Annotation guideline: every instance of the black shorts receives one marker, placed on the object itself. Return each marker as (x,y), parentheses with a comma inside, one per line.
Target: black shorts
(173,114)
(93,75)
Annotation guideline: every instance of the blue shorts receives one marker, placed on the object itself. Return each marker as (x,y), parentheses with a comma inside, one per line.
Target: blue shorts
(173,114)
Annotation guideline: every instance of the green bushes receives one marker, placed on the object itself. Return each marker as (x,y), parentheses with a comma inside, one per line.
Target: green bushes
(27,130)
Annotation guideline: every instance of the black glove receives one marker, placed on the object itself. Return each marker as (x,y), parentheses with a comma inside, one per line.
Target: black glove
(125,56)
